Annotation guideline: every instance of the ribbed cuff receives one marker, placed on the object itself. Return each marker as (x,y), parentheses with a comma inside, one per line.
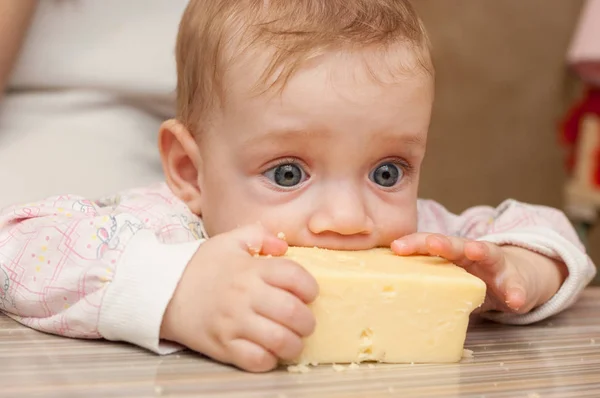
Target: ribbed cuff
(145,279)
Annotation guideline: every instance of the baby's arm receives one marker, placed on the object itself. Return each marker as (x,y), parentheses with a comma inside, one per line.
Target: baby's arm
(532,238)
(86,269)
(132,268)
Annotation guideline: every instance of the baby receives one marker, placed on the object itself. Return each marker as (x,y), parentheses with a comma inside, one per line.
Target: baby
(300,118)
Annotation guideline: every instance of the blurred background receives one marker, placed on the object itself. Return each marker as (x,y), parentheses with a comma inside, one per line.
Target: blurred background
(503,87)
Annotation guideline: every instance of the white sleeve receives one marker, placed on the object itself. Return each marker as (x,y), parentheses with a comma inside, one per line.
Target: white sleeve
(135,302)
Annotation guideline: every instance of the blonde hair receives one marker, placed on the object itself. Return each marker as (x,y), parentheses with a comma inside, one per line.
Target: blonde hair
(213,32)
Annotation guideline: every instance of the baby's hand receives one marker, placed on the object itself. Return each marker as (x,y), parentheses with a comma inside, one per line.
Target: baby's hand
(517,279)
(241,309)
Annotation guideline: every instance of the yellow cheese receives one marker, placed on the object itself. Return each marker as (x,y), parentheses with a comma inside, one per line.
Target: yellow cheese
(376,306)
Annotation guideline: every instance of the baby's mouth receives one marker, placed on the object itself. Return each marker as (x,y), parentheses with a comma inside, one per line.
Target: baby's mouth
(338,242)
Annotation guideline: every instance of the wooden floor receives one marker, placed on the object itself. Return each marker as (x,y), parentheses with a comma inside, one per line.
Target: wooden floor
(559,357)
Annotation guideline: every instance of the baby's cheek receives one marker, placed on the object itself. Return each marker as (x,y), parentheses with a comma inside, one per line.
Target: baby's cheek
(283,227)
(218,220)
(395,226)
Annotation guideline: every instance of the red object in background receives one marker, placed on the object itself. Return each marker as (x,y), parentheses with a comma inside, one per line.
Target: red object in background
(590,104)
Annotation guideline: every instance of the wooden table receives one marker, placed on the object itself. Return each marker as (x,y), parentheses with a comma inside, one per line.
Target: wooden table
(559,357)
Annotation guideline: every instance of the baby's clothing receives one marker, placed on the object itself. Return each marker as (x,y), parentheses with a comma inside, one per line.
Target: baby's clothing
(108,268)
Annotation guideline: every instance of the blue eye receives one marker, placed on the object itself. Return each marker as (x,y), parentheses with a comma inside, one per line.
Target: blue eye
(286,175)
(387,175)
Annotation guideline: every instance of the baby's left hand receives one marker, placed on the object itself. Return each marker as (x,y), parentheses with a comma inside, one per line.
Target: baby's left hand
(517,279)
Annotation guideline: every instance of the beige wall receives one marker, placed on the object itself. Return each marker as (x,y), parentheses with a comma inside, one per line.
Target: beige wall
(502,87)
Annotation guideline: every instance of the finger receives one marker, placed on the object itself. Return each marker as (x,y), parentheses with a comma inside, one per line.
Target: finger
(449,247)
(275,338)
(250,356)
(516,298)
(411,244)
(489,265)
(482,259)
(273,246)
(506,286)
(290,276)
(255,239)
(487,255)
(513,299)
(286,309)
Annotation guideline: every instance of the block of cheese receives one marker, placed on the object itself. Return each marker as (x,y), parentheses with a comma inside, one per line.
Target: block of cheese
(376,306)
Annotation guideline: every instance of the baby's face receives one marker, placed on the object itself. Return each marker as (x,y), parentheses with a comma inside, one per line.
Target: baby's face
(333,161)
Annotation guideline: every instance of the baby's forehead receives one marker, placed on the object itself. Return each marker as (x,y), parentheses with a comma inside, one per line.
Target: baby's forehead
(336,94)
(221,41)
(380,68)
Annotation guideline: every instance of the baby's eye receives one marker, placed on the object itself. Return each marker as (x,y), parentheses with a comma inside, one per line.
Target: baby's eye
(386,175)
(286,175)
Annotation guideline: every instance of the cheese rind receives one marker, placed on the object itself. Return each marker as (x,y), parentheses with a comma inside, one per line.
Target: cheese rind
(376,306)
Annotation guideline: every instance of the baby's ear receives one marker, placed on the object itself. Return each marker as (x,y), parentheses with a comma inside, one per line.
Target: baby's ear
(180,161)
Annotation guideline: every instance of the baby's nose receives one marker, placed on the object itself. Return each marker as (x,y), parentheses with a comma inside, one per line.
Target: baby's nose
(341,212)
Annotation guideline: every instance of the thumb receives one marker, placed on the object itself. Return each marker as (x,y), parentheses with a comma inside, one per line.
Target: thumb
(516,297)
(255,239)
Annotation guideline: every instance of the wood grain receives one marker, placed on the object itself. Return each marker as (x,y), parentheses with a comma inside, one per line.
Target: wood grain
(559,357)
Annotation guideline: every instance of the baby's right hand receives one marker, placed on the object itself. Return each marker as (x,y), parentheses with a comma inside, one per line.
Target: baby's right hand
(241,309)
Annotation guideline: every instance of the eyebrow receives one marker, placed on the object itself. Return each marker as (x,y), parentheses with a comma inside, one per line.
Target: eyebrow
(292,135)
(407,139)
(283,135)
